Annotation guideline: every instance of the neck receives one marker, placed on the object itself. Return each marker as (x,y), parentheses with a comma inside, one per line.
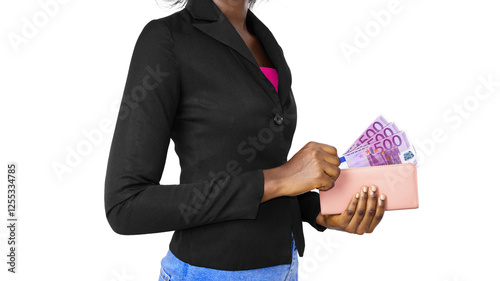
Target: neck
(235,11)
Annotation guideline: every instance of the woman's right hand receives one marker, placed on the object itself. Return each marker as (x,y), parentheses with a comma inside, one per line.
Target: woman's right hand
(316,165)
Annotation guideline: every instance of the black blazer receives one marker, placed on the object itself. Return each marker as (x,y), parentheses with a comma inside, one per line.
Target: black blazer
(192,79)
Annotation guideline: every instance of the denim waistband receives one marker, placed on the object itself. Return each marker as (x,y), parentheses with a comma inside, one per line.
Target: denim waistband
(174,269)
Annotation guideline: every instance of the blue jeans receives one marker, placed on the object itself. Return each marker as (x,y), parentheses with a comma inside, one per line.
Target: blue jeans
(173,269)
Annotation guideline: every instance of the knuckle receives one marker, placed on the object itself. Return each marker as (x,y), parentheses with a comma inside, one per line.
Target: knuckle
(310,143)
(336,169)
(337,161)
(316,164)
(320,185)
(334,150)
(379,217)
(331,183)
(324,187)
(315,153)
(361,212)
(350,212)
(372,212)
(326,183)
(337,172)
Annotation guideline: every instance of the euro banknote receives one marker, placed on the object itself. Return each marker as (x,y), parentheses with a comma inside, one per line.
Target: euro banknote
(385,150)
(374,128)
(387,131)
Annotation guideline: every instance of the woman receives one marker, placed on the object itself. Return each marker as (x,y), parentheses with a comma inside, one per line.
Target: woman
(212,78)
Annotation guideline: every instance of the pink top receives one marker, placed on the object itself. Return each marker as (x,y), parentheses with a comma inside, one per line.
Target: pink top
(272,75)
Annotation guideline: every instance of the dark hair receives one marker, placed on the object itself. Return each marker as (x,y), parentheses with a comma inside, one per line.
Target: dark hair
(182,3)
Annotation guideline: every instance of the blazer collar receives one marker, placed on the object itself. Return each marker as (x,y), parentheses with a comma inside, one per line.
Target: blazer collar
(210,20)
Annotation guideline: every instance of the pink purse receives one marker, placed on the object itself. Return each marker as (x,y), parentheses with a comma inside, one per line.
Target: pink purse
(398,182)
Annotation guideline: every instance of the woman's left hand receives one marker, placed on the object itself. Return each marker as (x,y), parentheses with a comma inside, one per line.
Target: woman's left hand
(362,215)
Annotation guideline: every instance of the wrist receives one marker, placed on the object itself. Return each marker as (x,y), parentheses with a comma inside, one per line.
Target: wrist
(320,220)
(273,184)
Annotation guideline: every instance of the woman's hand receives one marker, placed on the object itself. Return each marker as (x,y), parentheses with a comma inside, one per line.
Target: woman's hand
(315,165)
(362,215)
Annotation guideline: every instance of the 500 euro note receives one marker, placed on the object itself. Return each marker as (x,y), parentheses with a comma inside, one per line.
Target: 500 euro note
(393,149)
(374,127)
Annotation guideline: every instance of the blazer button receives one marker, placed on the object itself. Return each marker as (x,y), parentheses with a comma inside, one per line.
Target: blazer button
(278,119)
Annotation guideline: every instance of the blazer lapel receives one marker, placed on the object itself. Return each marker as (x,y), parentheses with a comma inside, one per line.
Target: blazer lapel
(275,54)
(218,26)
(215,24)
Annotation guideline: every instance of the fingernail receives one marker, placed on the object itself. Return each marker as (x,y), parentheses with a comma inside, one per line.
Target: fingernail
(381,199)
(357,195)
(374,188)
(365,189)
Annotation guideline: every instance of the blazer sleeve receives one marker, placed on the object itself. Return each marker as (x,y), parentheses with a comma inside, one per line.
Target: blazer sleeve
(310,208)
(135,202)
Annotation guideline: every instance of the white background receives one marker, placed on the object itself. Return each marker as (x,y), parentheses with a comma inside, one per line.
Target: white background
(423,64)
